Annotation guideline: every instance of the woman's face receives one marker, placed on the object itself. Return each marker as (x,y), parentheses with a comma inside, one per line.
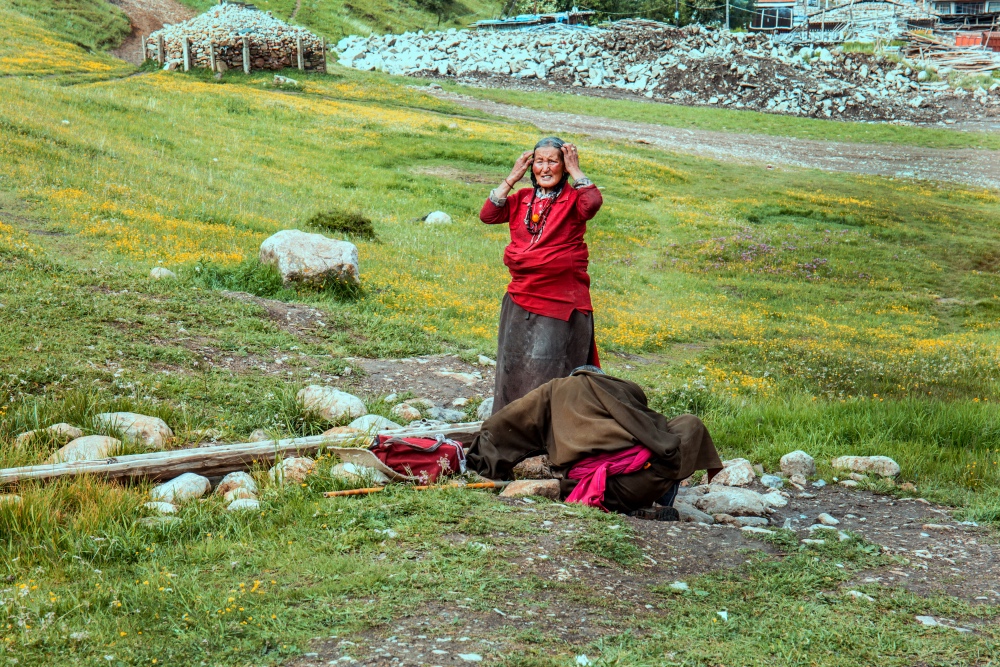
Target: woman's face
(547,167)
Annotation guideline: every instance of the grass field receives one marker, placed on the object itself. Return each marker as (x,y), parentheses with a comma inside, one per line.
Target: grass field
(737,122)
(789,308)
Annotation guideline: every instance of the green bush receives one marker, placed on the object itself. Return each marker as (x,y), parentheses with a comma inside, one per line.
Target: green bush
(344,222)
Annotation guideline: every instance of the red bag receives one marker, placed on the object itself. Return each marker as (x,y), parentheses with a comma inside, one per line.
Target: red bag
(424,458)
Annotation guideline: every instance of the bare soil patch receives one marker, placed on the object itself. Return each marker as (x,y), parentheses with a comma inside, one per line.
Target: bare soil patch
(147,16)
(440,378)
(457,175)
(978,168)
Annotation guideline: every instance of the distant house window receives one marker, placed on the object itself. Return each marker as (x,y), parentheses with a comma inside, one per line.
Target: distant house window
(772,18)
(970,7)
(943,7)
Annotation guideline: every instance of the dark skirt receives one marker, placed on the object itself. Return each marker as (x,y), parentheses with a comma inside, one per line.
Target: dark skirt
(533,349)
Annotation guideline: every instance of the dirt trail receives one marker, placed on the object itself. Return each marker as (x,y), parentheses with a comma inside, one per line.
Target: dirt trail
(147,16)
(979,168)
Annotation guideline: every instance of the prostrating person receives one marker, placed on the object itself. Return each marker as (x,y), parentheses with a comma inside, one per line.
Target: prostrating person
(604,442)
(546,319)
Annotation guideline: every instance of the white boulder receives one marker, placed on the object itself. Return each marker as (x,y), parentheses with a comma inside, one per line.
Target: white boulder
(236,480)
(237,493)
(62,432)
(876,465)
(798,463)
(329,403)
(354,474)
(774,499)
(292,471)
(185,487)
(87,448)
(161,507)
(406,412)
(150,431)
(438,218)
(160,273)
(372,423)
(735,472)
(311,258)
(242,504)
(485,409)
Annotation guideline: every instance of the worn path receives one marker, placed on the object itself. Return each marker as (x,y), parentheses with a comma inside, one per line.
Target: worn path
(979,168)
(147,16)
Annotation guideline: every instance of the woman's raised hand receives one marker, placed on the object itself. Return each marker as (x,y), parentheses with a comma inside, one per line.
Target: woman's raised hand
(520,168)
(572,160)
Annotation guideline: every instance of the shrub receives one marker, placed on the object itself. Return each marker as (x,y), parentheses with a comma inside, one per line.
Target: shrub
(344,222)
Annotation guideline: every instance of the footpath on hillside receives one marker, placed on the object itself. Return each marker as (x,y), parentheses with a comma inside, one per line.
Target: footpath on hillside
(979,168)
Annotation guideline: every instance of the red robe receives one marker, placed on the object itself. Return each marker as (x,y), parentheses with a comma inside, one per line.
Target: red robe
(548,277)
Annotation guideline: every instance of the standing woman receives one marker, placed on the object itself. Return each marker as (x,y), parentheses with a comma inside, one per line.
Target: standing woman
(546,320)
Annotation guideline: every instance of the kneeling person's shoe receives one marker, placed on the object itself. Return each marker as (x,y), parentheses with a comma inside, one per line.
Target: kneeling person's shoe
(656,514)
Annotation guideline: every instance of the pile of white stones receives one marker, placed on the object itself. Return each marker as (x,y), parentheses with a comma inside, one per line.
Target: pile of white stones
(692,65)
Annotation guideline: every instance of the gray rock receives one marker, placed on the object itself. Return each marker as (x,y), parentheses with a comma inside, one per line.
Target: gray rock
(236,480)
(182,488)
(373,423)
(87,448)
(292,471)
(438,218)
(731,500)
(877,465)
(736,472)
(691,514)
(752,521)
(446,415)
(329,403)
(546,488)
(61,432)
(259,435)
(485,409)
(311,258)
(243,504)
(160,273)
(150,431)
(772,481)
(798,463)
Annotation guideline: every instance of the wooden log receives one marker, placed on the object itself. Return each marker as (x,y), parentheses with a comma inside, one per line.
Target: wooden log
(209,461)
(159,50)
(186,52)
(246,55)
(298,53)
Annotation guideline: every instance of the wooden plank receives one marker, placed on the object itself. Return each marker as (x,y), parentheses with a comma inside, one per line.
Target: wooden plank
(211,55)
(246,55)
(186,50)
(298,51)
(160,51)
(209,461)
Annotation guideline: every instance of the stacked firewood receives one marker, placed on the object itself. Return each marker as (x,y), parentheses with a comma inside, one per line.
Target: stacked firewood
(232,36)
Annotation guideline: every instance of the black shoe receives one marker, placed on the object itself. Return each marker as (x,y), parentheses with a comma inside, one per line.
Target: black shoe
(656,514)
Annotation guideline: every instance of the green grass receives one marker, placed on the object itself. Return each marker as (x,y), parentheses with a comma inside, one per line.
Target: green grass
(92,24)
(737,122)
(791,309)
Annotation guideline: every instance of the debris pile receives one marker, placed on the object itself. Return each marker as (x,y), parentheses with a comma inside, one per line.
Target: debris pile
(693,65)
(219,36)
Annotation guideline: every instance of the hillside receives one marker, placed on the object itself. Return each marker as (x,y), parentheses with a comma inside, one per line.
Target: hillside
(789,308)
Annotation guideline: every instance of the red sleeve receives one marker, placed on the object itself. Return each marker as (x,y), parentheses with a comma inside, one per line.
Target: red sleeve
(492,214)
(588,201)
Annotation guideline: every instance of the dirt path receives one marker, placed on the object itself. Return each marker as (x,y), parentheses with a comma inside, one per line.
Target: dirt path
(147,16)
(979,168)
(295,12)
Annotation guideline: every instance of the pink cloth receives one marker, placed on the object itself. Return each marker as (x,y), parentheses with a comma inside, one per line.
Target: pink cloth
(593,473)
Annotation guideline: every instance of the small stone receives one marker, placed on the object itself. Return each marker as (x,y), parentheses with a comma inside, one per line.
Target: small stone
(679,586)
(238,493)
(797,480)
(10,498)
(159,521)
(284,81)
(731,500)
(726,519)
(849,483)
(329,403)
(185,487)
(260,435)
(359,474)
(736,472)
(446,415)
(292,470)
(150,431)
(374,423)
(406,412)
(858,595)
(819,484)
(460,402)
(61,432)
(485,361)
(535,467)
(937,526)
(546,488)
(421,403)
(485,409)
(772,481)
(161,507)
(345,431)
(774,499)
(858,478)
(757,530)
(813,542)
(243,504)
(87,448)
(827,520)
(819,526)
(928,621)
(878,465)
(798,463)
(758,521)
(79,636)
(236,480)
(438,218)
(160,273)
(909,487)
(691,514)
(470,657)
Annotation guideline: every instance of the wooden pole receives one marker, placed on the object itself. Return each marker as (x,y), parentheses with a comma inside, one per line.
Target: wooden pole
(208,461)
(246,55)
(211,55)
(159,50)
(186,50)
(324,54)
(298,51)
(142,49)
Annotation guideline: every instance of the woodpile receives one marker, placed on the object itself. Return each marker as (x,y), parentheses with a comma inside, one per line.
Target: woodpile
(231,36)
(933,51)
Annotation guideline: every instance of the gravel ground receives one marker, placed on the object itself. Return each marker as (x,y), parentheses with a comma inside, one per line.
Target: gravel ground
(978,168)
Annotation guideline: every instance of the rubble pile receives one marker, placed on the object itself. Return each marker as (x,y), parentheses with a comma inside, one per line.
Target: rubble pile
(693,65)
(273,43)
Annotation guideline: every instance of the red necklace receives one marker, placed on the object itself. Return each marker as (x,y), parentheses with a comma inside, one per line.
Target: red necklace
(535,222)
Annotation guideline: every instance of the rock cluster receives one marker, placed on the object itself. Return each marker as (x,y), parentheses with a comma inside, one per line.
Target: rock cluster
(273,43)
(690,65)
